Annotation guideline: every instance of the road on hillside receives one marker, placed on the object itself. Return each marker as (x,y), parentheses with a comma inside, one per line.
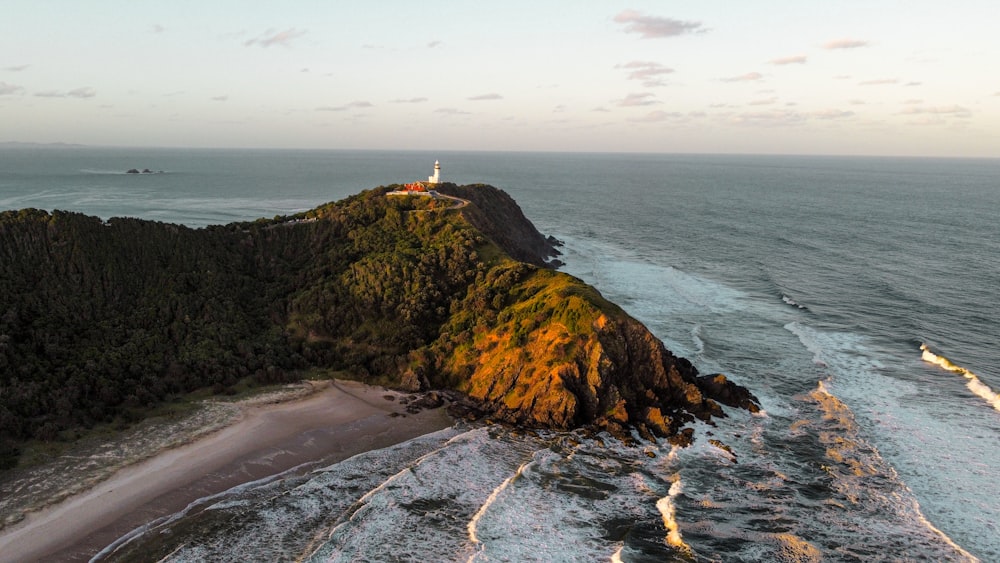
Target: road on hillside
(459,202)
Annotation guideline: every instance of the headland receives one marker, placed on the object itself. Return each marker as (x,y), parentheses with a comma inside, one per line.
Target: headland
(108,318)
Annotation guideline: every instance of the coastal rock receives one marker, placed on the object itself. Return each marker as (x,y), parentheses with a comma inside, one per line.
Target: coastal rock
(728,393)
(560,356)
(413,380)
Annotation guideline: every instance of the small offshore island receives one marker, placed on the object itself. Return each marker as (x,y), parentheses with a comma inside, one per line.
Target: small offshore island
(104,321)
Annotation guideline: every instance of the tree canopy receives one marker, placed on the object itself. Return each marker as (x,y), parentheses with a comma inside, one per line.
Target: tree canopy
(99,320)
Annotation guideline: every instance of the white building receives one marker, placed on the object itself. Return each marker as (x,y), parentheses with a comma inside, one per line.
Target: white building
(436,178)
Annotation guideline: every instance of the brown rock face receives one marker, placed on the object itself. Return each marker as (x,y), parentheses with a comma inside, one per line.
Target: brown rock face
(728,393)
(558,355)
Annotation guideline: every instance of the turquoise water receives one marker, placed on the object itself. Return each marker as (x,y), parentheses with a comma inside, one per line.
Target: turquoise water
(812,280)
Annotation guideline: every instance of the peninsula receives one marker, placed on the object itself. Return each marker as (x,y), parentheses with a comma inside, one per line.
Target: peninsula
(104,320)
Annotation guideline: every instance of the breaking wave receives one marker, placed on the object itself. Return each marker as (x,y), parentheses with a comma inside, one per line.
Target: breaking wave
(788,300)
(102,172)
(667,509)
(974,383)
(474,522)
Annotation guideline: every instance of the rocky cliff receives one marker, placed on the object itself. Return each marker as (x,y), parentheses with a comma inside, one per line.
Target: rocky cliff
(551,352)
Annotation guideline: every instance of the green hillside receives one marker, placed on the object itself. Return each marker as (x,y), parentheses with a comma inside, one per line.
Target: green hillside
(101,321)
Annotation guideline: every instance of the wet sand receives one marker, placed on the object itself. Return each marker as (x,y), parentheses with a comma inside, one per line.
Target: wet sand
(340,420)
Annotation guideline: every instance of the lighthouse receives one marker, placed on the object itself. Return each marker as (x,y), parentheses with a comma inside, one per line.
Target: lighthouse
(436,178)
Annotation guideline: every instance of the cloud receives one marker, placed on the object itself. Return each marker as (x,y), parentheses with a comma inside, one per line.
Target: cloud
(659,116)
(831,114)
(345,107)
(913,101)
(219,98)
(8,89)
(912,83)
(85,92)
(16,68)
(940,111)
(409,101)
(879,82)
(653,27)
(451,111)
(773,118)
(157,28)
(785,117)
(845,44)
(633,100)
(748,77)
(856,102)
(646,71)
(602,109)
(484,97)
(433,44)
(764,101)
(793,60)
(271,38)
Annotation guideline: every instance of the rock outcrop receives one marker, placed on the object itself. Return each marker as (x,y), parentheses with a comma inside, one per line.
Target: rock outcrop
(553,353)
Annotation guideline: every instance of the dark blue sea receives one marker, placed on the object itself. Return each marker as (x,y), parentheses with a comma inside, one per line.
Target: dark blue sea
(857,298)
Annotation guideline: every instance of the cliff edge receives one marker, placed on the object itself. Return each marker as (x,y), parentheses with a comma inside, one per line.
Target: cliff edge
(498,216)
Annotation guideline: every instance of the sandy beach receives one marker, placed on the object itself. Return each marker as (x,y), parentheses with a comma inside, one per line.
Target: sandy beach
(339,420)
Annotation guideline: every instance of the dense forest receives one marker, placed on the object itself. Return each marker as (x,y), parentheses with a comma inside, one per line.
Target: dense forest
(102,320)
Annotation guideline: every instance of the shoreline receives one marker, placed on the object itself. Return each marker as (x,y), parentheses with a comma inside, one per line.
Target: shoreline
(93,461)
(336,421)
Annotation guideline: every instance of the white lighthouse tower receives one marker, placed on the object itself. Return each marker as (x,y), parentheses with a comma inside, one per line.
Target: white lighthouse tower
(436,178)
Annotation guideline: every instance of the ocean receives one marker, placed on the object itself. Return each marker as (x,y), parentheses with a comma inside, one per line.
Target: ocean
(856,297)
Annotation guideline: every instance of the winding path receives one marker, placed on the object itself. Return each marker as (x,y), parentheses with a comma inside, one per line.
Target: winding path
(460,203)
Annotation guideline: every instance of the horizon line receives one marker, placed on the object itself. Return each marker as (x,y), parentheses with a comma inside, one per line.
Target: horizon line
(63,144)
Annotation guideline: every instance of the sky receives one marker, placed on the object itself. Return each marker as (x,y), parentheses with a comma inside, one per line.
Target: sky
(874,77)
